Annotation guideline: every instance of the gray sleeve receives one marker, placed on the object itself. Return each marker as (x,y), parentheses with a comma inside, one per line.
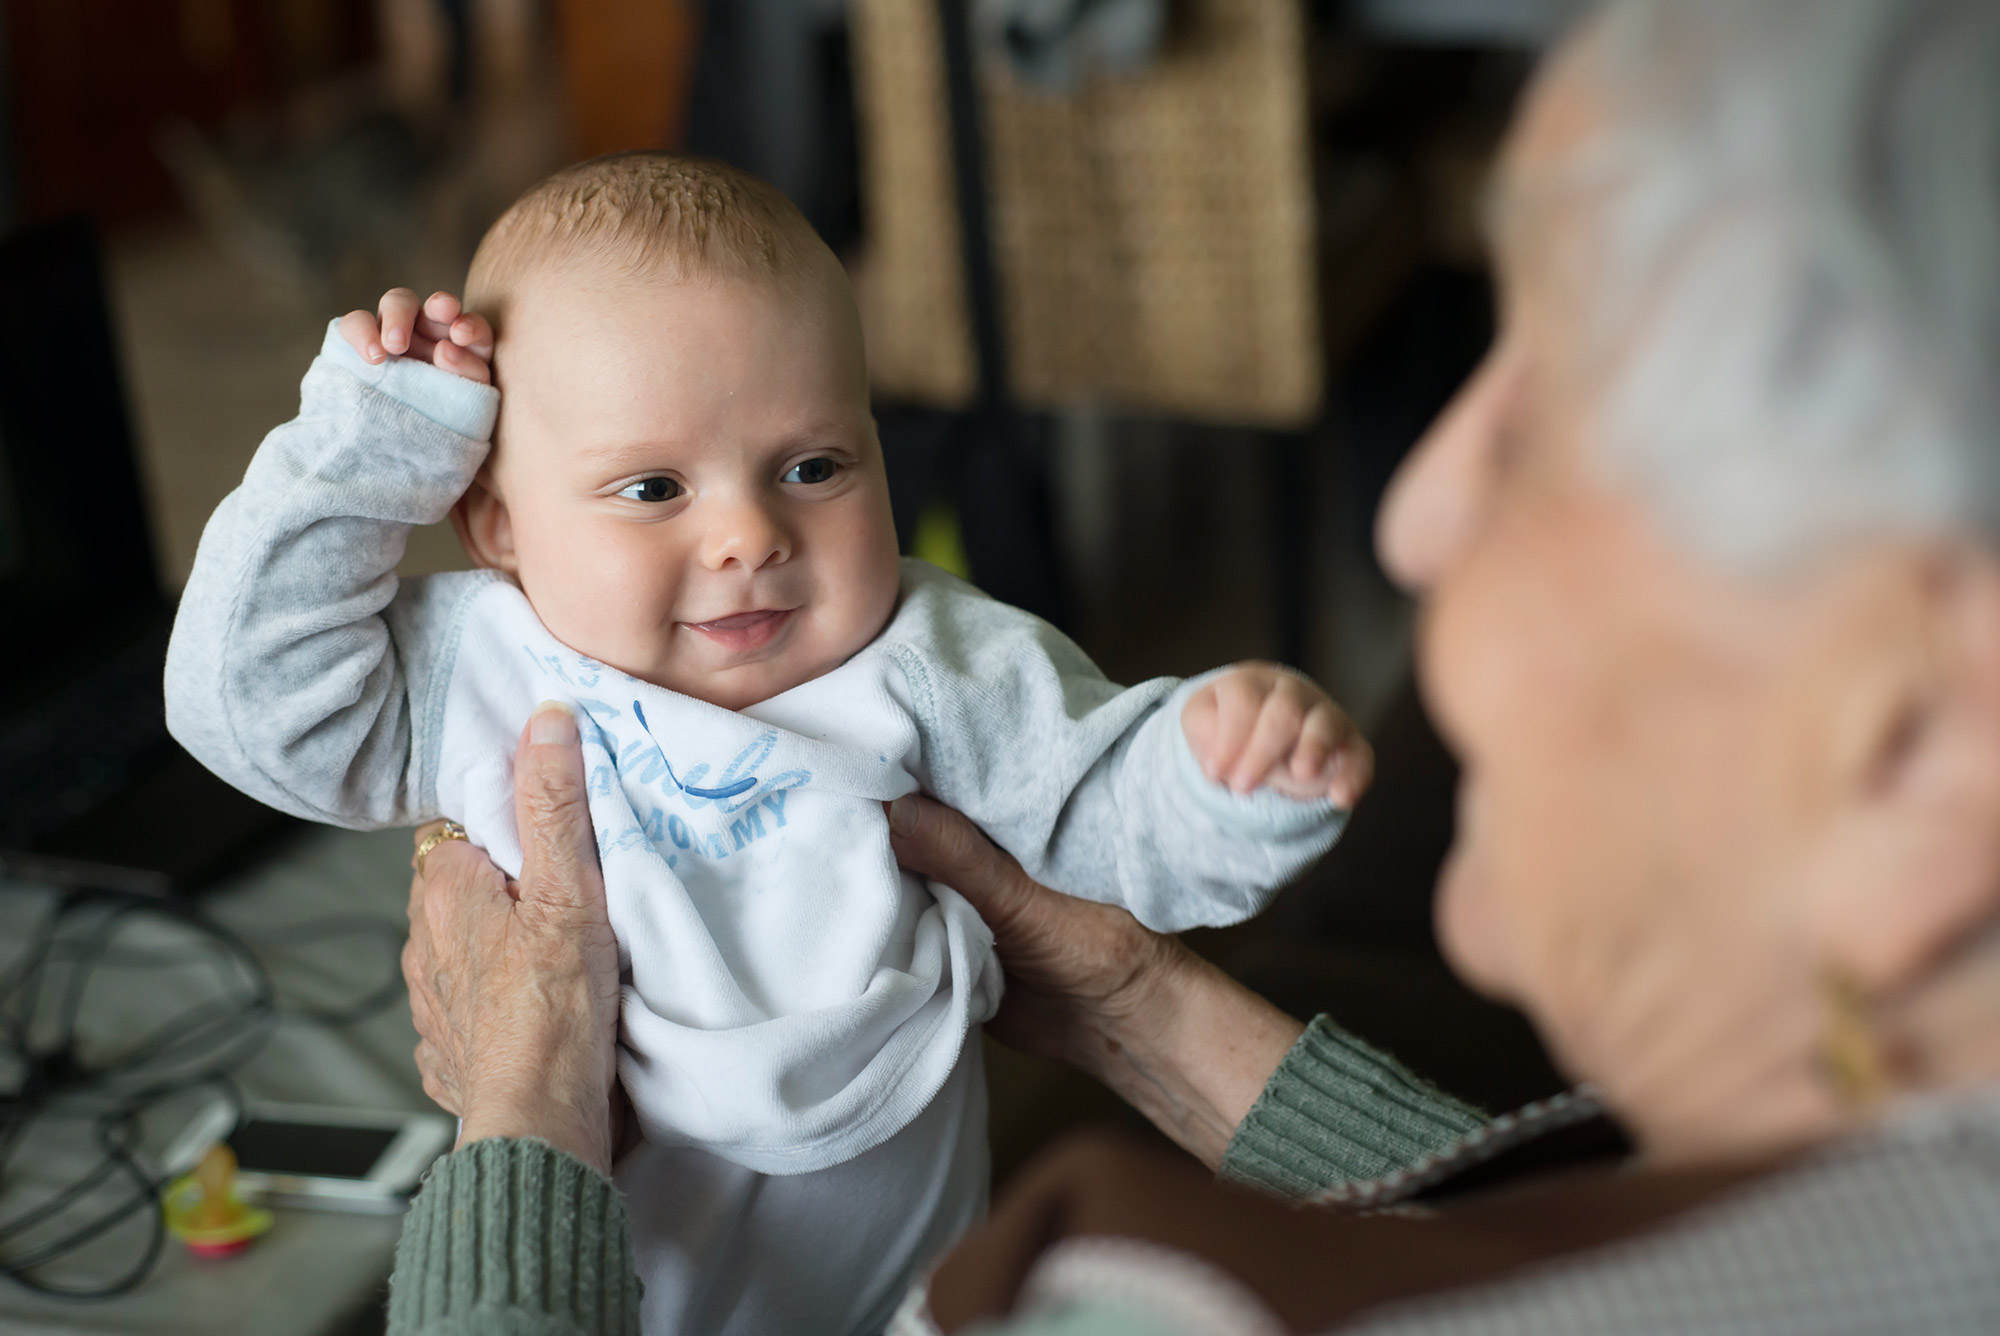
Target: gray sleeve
(1897,1237)
(1090,785)
(299,671)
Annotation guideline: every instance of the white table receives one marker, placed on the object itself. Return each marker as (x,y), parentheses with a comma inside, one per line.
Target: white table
(315,1271)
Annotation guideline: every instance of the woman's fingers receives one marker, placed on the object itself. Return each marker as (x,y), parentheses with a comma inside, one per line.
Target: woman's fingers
(935,841)
(930,838)
(499,979)
(552,809)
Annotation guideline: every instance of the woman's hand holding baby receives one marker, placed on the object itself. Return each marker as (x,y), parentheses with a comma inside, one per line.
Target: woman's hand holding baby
(514,987)
(1264,725)
(437,330)
(1089,985)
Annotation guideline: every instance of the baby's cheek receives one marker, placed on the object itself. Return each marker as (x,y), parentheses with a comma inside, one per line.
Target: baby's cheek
(865,574)
(858,605)
(605,594)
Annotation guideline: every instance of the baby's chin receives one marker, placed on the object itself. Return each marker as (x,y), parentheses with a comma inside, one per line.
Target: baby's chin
(804,654)
(742,686)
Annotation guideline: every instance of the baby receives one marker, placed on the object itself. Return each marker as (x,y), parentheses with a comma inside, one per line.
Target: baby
(682,530)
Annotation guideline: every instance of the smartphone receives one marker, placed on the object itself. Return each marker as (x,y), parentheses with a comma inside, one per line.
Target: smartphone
(319,1157)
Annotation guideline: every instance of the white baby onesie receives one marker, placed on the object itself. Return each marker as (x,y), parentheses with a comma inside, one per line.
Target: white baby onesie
(793,1000)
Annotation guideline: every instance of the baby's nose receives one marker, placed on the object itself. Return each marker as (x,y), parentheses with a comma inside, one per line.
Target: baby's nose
(744,534)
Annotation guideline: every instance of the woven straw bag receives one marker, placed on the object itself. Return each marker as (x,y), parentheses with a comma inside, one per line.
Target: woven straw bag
(1153,235)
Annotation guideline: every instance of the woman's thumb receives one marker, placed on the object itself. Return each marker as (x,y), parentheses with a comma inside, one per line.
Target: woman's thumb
(552,812)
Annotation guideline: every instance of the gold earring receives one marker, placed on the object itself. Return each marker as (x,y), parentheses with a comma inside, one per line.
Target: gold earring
(1850,1057)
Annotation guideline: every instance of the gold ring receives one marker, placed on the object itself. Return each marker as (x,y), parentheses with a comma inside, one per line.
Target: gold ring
(450,830)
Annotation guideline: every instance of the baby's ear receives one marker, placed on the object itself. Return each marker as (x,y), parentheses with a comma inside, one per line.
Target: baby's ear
(484,527)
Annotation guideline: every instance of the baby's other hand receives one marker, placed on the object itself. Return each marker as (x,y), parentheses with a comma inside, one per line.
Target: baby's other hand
(1262,725)
(436,330)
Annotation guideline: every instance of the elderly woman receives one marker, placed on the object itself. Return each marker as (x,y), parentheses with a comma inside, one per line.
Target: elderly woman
(1709,550)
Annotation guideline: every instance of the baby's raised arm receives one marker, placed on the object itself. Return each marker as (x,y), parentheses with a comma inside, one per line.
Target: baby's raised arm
(300,670)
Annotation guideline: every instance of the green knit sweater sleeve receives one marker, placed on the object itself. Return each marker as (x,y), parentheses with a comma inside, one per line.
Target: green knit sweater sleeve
(514,1238)
(1337,1110)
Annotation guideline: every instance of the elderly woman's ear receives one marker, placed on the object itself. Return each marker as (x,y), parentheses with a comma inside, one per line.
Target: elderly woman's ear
(1913,750)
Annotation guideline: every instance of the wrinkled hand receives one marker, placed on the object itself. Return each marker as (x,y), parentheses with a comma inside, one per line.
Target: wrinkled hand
(1090,985)
(1261,725)
(435,330)
(1075,970)
(514,987)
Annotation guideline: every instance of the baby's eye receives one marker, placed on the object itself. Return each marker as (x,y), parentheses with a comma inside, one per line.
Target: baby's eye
(812,471)
(652,489)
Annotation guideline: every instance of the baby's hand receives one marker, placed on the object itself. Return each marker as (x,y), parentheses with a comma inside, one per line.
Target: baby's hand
(435,330)
(1260,724)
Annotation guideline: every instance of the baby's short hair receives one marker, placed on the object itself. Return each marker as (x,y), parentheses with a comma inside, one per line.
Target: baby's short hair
(644,212)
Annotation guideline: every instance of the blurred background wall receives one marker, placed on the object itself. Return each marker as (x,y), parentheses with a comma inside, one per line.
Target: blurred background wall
(1158,292)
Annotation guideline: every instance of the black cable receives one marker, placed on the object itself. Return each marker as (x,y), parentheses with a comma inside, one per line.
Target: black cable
(43,994)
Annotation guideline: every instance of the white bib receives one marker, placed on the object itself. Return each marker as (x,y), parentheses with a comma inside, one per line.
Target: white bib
(792,998)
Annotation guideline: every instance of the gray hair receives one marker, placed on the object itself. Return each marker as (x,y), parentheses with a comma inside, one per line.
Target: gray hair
(1791,255)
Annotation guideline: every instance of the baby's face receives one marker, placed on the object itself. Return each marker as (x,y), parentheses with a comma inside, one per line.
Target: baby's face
(689,483)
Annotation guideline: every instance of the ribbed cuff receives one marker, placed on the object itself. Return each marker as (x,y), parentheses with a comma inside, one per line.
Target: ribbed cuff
(514,1236)
(1335,1111)
(453,402)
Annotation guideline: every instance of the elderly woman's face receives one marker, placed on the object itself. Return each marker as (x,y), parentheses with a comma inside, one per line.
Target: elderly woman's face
(1687,795)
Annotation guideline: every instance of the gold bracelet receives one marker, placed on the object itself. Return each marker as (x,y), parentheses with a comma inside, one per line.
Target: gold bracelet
(450,830)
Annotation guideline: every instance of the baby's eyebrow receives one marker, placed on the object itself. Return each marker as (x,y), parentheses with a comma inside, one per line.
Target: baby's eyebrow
(626,452)
(832,433)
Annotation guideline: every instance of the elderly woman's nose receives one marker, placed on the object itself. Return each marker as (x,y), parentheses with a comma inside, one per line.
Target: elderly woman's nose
(743,531)
(1433,503)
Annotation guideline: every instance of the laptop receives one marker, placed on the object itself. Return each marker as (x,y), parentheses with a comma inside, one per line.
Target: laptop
(93,792)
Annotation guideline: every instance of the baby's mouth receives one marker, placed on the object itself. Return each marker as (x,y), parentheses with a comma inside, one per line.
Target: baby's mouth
(745,631)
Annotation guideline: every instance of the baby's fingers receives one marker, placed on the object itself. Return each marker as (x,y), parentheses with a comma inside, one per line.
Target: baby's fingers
(449,356)
(399,318)
(441,307)
(1271,740)
(1331,756)
(474,333)
(363,335)
(1237,700)
(1320,736)
(1352,771)
(433,323)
